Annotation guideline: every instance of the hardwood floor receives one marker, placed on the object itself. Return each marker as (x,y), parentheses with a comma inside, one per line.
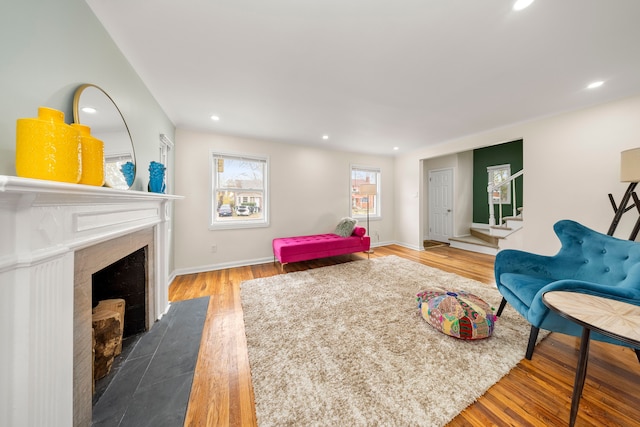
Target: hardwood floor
(534,393)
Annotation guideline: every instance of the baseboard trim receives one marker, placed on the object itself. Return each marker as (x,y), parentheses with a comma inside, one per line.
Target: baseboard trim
(221,266)
(245,263)
(405,245)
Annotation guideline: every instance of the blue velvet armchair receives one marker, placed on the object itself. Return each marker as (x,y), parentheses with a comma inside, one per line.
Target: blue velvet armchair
(588,262)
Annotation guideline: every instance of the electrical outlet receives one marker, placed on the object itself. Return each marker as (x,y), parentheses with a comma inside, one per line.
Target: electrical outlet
(214,249)
(377,236)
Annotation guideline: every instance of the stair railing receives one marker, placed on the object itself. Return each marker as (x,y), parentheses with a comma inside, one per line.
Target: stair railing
(493,187)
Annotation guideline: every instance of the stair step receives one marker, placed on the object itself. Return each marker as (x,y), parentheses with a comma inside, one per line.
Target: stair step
(485,235)
(512,218)
(473,244)
(473,240)
(501,227)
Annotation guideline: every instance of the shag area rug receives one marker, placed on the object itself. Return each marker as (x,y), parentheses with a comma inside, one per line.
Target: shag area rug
(345,345)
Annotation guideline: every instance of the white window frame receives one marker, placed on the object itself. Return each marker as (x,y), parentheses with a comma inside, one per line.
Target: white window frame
(506,194)
(376,210)
(214,187)
(166,145)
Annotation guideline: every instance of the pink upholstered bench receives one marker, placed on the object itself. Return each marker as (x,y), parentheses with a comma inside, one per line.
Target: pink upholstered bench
(304,248)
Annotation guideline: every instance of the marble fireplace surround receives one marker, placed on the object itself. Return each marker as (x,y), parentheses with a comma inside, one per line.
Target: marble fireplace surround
(53,236)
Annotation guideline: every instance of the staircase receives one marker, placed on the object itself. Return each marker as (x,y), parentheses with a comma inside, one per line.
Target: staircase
(480,240)
(487,240)
(510,224)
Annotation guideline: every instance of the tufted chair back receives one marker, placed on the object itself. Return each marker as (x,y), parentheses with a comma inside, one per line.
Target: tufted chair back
(594,257)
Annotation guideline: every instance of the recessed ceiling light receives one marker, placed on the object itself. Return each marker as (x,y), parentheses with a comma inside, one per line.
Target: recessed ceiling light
(522,4)
(215,118)
(396,148)
(325,136)
(89,110)
(595,84)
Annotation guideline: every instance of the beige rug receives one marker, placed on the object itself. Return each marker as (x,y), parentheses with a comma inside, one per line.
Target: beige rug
(345,345)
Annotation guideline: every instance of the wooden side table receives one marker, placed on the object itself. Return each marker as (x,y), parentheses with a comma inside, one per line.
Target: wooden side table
(615,319)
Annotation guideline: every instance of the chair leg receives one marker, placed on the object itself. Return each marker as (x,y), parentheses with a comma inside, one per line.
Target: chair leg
(503,303)
(533,336)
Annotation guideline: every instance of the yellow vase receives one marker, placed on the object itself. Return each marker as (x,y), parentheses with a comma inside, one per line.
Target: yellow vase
(92,156)
(48,148)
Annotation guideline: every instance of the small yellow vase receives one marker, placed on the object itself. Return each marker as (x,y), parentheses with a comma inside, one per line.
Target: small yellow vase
(48,148)
(92,156)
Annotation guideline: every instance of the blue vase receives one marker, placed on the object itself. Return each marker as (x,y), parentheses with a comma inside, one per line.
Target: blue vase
(156,177)
(129,171)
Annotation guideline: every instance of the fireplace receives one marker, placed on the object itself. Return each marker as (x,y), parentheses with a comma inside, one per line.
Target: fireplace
(55,237)
(125,279)
(88,262)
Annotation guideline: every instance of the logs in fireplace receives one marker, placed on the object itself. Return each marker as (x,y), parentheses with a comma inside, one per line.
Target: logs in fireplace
(119,303)
(108,326)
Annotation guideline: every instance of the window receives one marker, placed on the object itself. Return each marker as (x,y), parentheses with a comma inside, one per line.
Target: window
(238,191)
(165,158)
(360,202)
(498,174)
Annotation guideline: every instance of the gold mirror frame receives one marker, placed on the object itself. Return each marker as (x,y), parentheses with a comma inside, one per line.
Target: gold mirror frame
(108,125)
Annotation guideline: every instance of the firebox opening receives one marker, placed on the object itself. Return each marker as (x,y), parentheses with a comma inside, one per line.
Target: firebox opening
(125,279)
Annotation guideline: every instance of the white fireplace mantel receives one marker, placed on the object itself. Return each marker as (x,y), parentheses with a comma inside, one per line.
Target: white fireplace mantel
(42,225)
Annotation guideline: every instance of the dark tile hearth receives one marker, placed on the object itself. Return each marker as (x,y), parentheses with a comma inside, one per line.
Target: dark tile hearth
(151,386)
(128,344)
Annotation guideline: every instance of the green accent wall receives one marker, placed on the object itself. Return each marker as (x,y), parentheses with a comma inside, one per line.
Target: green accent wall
(507,153)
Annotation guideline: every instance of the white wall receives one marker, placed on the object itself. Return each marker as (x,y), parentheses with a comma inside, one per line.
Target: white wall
(309,193)
(48,49)
(463,202)
(571,163)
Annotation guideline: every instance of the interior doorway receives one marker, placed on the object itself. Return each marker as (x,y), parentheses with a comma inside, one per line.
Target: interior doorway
(441,204)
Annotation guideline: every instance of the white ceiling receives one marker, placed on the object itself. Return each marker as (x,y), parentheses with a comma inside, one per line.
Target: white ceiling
(374,74)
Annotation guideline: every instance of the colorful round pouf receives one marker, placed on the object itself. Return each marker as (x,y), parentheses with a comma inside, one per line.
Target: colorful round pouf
(459,314)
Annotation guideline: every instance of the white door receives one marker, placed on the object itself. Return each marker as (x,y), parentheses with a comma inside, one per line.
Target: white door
(440,205)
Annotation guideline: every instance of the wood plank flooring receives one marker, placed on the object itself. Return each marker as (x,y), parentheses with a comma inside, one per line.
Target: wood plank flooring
(534,393)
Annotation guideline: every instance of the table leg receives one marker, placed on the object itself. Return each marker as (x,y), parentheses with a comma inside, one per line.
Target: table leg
(581,374)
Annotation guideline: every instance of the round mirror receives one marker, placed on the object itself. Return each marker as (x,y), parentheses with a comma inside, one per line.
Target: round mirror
(94,108)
